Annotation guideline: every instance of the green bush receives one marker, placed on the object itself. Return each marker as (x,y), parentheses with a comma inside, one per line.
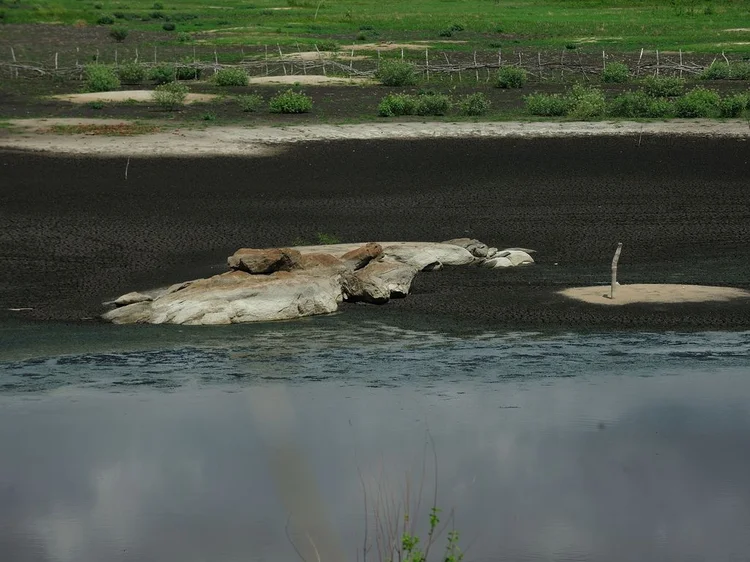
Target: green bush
(208,116)
(290,102)
(445,32)
(716,71)
(184,37)
(474,104)
(186,70)
(168,26)
(740,71)
(231,77)
(698,102)
(395,105)
(119,33)
(250,102)
(615,72)
(433,104)
(170,96)
(733,106)
(327,46)
(585,102)
(105,20)
(396,72)
(663,86)
(546,105)
(163,74)
(131,73)
(639,104)
(510,77)
(101,78)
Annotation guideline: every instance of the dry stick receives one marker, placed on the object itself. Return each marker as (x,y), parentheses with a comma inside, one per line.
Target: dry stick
(304,65)
(680,63)
(402,53)
(604,60)
(115,56)
(281,57)
(55,61)
(427,62)
(97,57)
(614,270)
(322,60)
(657,62)
(127,165)
(136,54)
(77,50)
(638,68)
(378,67)
(216,61)
(476,68)
(725,57)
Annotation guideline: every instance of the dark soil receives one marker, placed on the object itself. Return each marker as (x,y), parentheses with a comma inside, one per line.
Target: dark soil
(75,232)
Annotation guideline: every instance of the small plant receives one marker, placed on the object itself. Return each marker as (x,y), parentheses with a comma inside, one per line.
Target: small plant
(208,116)
(396,105)
(546,105)
(396,72)
(156,16)
(168,26)
(716,71)
(106,20)
(571,46)
(157,6)
(101,78)
(663,86)
(708,11)
(639,104)
(740,71)
(131,73)
(290,102)
(698,102)
(163,74)
(585,102)
(615,72)
(119,15)
(446,32)
(474,104)
(510,77)
(97,6)
(733,106)
(325,239)
(457,27)
(328,45)
(250,102)
(186,70)
(97,105)
(184,37)
(433,104)
(119,33)
(231,77)
(170,96)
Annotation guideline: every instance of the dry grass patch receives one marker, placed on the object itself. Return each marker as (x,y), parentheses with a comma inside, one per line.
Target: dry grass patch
(113,130)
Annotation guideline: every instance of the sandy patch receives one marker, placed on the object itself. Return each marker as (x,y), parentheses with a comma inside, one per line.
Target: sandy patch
(134,95)
(739,29)
(238,140)
(654,293)
(315,55)
(311,79)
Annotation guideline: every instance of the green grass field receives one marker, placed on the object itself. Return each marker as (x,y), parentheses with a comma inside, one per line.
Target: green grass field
(710,26)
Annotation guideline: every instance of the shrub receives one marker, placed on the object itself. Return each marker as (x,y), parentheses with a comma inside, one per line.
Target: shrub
(396,73)
(186,71)
(433,104)
(716,71)
(445,32)
(327,46)
(119,34)
(183,37)
(615,72)
(474,104)
(663,86)
(457,27)
(119,15)
(163,73)
(733,106)
(105,20)
(639,104)
(208,116)
(546,105)
(101,78)
(585,102)
(250,102)
(290,102)
(510,77)
(394,105)
(231,77)
(168,26)
(97,105)
(157,6)
(131,73)
(170,96)
(698,102)
(156,15)
(740,71)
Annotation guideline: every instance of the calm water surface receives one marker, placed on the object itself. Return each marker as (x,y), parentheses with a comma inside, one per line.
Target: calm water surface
(176,444)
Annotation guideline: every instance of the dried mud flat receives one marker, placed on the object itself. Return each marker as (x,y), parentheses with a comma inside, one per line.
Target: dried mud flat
(79,232)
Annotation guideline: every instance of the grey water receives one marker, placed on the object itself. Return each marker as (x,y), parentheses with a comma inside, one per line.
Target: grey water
(243,443)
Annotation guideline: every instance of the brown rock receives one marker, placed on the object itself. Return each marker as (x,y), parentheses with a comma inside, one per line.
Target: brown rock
(264,261)
(317,260)
(132,298)
(360,257)
(379,281)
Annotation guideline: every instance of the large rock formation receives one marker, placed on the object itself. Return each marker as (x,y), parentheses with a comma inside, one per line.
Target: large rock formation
(286,283)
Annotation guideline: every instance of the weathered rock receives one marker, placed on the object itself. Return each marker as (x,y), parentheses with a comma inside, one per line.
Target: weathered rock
(424,255)
(491,252)
(360,257)
(239,297)
(131,298)
(497,262)
(379,281)
(475,247)
(519,257)
(320,260)
(264,261)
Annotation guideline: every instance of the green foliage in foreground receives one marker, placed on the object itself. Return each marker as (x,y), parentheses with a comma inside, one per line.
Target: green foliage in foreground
(639,104)
(663,86)
(250,102)
(615,72)
(101,78)
(163,74)
(396,73)
(510,77)
(396,105)
(170,96)
(725,71)
(231,77)
(290,102)
(474,104)
(131,73)
(698,102)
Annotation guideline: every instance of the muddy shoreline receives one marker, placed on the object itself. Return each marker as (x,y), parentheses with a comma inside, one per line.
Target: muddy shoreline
(76,232)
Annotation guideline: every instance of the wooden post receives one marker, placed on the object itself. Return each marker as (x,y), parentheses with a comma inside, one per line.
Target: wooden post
(476,68)
(351,63)
(55,61)
(281,57)
(427,62)
(402,53)
(638,68)
(266,60)
(154,54)
(77,50)
(614,270)
(657,62)
(604,60)
(115,56)
(322,60)
(680,63)
(136,54)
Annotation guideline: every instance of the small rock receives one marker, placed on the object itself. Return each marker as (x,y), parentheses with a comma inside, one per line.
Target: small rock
(497,262)
(131,298)
(491,252)
(320,260)
(361,256)
(264,261)
(379,281)
(475,247)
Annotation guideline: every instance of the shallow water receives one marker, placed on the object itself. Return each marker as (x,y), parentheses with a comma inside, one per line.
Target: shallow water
(179,444)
